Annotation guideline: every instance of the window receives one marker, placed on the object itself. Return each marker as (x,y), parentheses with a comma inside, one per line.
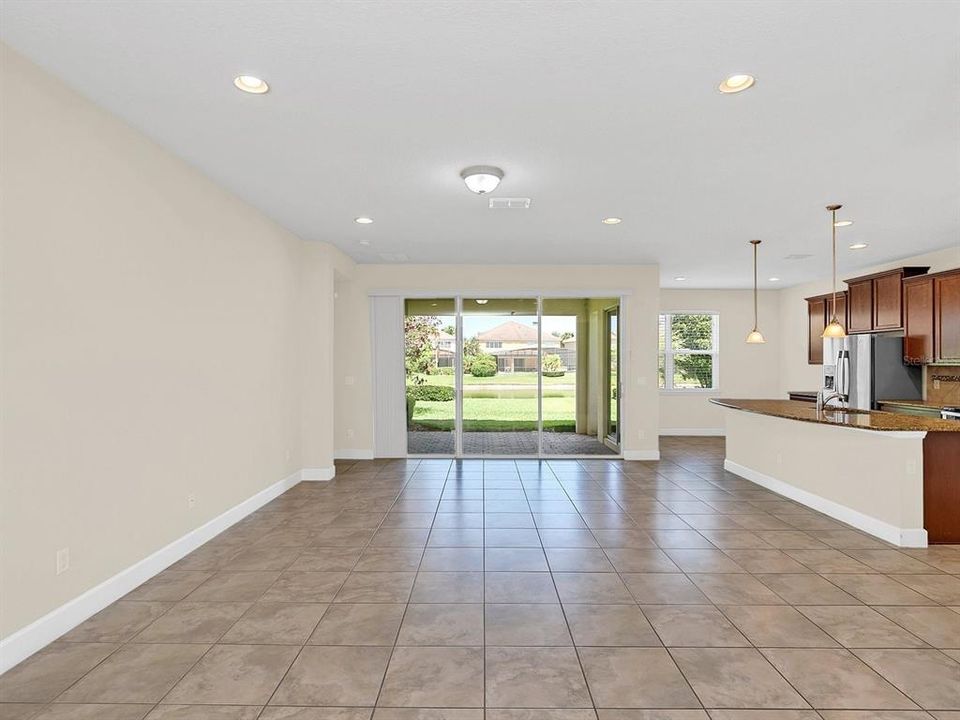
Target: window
(689,351)
(493,344)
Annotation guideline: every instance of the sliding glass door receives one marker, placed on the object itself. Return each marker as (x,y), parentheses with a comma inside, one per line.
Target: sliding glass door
(534,376)
(500,353)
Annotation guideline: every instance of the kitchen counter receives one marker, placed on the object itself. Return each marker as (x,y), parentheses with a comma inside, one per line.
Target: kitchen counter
(925,404)
(857,419)
(891,475)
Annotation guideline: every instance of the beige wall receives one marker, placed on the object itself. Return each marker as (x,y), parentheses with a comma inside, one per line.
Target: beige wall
(795,372)
(152,343)
(746,371)
(353,412)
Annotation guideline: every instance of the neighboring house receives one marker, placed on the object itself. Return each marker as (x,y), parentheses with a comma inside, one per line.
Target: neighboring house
(513,344)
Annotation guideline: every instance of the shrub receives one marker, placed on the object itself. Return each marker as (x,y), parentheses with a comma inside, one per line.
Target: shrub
(430,393)
(553,366)
(483,366)
(411,405)
(445,371)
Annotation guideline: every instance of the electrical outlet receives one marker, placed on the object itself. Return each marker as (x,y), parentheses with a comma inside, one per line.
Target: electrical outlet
(779,458)
(63,560)
(191,501)
(349,433)
(911,467)
(641,435)
(936,384)
(349,380)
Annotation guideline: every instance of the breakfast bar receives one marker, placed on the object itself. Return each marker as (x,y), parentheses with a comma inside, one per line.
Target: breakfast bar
(894,476)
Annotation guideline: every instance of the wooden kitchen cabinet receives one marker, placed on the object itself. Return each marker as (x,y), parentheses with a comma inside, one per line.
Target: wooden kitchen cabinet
(946,316)
(861,306)
(918,320)
(819,312)
(876,301)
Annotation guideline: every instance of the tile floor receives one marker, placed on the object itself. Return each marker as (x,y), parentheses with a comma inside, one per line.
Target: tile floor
(502,590)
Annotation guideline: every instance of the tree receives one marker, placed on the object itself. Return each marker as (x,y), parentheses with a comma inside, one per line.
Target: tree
(693,332)
(450,330)
(553,366)
(471,350)
(420,333)
(562,336)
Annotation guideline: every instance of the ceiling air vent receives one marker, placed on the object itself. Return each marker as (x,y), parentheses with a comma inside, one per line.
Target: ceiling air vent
(798,256)
(393,257)
(499,203)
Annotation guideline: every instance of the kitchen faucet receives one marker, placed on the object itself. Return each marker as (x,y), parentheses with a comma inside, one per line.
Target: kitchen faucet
(825,396)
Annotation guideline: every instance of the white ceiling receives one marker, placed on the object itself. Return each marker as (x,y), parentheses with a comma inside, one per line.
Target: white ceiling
(591,108)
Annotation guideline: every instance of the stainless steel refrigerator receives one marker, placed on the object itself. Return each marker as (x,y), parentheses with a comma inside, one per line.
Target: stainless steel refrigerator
(868,368)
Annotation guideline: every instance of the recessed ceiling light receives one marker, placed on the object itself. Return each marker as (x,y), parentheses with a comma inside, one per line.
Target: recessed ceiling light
(364,243)
(482,302)
(612,221)
(363,220)
(251,84)
(858,246)
(736,83)
(481,179)
(843,223)
(680,278)
(773,279)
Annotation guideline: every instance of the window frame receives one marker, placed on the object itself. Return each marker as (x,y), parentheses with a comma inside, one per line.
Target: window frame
(668,353)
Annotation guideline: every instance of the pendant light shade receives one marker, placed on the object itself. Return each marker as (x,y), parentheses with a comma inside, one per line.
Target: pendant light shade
(834,328)
(755,337)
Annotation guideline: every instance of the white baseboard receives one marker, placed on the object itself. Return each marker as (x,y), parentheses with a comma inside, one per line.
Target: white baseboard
(694,432)
(902,537)
(318,474)
(353,454)
(641,454)
(26,641)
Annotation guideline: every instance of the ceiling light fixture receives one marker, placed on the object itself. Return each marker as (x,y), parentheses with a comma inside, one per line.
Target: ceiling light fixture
(755,337)
(364,243)
(482,302)
(834,328)
(679,278)
(736,83)
(363,220)
(844,223)
(773,279)
(481,179)
(858,246)
(251,84)
(612,221)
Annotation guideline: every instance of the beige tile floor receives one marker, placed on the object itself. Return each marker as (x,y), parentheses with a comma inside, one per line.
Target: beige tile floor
(518,590)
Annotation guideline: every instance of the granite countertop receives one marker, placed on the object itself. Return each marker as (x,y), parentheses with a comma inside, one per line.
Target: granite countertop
(929,404)
(859,419)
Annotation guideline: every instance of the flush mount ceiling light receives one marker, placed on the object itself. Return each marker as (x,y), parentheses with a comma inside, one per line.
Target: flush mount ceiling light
(834,329)
(755,337)
(679,278)
(736,83)
(844,223)
(251,84)
(481,179)
(364,243)
(773,279)
(858,246)
(482,302)
(612,221)
(363,220)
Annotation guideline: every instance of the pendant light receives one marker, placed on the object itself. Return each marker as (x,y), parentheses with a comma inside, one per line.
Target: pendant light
(834,328)
(755,337)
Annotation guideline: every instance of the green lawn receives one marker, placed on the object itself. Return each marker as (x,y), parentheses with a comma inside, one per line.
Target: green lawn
(487,414)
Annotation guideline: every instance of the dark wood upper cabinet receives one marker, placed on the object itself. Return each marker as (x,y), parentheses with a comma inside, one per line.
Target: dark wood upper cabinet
(819,312)
(861,306)
(817,321)
(918,320)
(946,318)
(876,301)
